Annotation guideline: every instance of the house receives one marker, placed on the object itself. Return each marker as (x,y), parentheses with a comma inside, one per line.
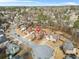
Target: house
(30,36)
(52,37)
(24,53)
(71,57)
(68,47)
(23,27)
(12,49)
(38,32)
(1,29)
(42,52)
(39,35)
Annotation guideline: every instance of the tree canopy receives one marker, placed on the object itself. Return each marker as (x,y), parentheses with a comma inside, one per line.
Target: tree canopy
(76,24)
(42,17)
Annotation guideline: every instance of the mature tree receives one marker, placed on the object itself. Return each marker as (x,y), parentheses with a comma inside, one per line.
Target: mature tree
(76,24)
(42,19)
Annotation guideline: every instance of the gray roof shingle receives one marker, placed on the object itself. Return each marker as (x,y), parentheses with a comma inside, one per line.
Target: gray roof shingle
(68,45)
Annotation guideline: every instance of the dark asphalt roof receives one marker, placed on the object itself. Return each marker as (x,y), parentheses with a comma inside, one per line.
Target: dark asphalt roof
(12,48)
(2,39)
(71,57)
(1,32)
(68,57)
(68,45)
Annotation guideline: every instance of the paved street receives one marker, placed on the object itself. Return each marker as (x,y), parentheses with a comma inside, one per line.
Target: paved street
(22,39)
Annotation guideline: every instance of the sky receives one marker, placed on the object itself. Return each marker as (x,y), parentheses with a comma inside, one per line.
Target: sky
(38,2)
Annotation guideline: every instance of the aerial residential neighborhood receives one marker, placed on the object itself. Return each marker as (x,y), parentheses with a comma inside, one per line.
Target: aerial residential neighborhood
(45,32)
